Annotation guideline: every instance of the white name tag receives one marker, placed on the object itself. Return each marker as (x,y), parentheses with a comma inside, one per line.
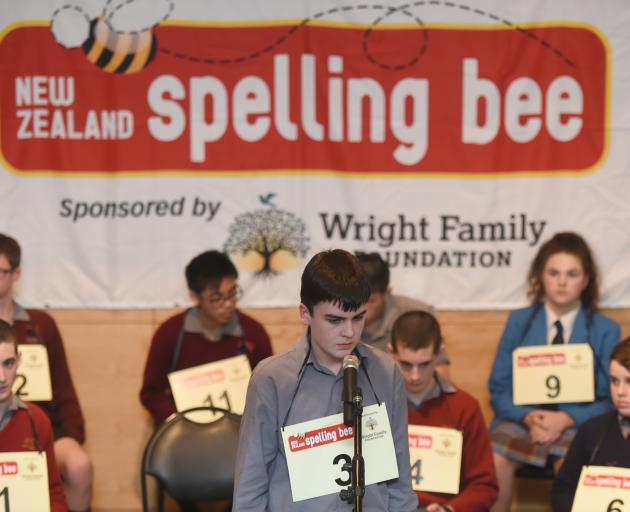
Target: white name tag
(32,382)
(24,482)
(603,488)
(218,384)
(316,450)
(549,374)
(436,458)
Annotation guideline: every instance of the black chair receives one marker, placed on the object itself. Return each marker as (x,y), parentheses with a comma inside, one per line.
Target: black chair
(191,461)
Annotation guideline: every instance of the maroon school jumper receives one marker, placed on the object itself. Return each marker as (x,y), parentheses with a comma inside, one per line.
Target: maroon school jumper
(242,335)
(18,436)
(454,408)
(64,411)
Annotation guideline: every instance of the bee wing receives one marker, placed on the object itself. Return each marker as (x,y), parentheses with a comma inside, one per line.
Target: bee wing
(70,26)
(126,16)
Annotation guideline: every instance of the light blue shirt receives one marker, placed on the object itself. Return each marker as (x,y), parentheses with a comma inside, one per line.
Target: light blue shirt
(262,476)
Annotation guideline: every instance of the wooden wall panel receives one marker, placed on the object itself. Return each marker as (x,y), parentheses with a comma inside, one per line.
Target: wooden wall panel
(107,351)
(106,354)
(471,341)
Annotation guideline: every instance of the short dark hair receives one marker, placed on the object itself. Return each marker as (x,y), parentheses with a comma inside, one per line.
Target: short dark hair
(570,243)
(416,330)
(621,353)
(7,334)
(335,276)
(207,269)
(11,249)
(377,270)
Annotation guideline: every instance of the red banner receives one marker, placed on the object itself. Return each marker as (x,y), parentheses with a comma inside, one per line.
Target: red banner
(344,98)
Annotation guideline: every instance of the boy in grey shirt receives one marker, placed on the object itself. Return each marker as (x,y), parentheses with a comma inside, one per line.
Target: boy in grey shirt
(305,382)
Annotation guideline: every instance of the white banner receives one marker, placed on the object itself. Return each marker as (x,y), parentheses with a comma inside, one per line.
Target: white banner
(451,137)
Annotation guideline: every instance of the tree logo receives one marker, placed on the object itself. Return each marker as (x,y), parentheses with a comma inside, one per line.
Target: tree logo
(268,240)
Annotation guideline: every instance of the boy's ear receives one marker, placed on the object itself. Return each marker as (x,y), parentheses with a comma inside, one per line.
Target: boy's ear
(305,315)
(390,348)
(17,272)
(193,297)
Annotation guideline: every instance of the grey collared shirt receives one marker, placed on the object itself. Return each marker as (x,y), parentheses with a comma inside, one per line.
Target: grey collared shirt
(395,305)
(20,314)
(192,324)
(438,386)
(15,404)
(262,476)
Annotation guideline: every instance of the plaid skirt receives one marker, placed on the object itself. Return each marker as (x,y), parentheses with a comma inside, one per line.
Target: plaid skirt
(512,440)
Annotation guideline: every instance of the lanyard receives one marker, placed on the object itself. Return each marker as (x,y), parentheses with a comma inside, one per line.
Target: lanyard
(302,370)
(242,346)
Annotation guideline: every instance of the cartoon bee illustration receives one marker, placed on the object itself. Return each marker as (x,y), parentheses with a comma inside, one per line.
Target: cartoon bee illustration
(119,40)
(118,53)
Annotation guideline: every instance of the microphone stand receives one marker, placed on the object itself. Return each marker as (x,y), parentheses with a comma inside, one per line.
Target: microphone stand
(356,490)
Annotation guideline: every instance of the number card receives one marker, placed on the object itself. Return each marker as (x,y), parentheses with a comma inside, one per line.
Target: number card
(218,384)
(24,482)
(436,458)
(549,374)
(603,488)
(316,451)
(32,382)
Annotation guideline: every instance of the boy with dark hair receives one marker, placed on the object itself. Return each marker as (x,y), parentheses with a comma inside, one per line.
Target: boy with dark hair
(433,401)
(305,383)
(384,307)
(212,330)
(601,441)
(207,269)
(25,427)
(64,411)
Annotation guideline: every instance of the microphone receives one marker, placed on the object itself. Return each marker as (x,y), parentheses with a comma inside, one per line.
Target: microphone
(350,373)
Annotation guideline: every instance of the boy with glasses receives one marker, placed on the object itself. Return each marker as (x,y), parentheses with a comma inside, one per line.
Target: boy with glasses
(212,330)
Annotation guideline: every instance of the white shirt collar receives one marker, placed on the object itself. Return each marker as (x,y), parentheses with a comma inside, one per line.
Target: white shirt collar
(567,320)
